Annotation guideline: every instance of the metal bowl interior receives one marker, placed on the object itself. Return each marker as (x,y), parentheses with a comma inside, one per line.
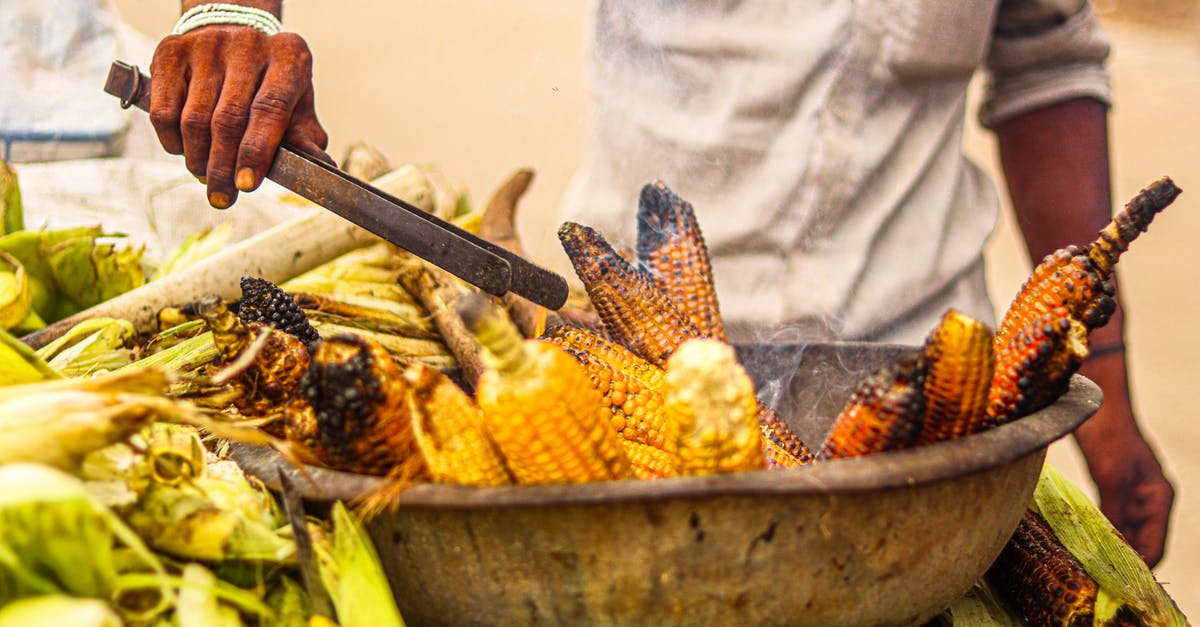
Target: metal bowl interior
(885,539)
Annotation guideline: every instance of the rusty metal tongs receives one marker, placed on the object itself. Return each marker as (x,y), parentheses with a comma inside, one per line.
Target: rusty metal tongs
(473,259)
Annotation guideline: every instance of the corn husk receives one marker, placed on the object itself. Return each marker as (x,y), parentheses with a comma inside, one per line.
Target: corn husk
(59,609)
(351,572)
(16,300)
(56,538)
(12,216)
(979,607)
(94,345)
(31,249)
(1123,578)
(199,605)
(59,422)
(290,604)
(89,271)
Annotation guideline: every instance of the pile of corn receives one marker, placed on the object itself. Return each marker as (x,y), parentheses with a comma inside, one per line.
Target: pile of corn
(375,363)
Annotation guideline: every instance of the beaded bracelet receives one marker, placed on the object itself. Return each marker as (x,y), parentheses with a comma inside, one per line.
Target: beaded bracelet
(224,13)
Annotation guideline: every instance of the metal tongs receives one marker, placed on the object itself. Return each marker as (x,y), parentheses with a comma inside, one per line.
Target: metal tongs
(473,259)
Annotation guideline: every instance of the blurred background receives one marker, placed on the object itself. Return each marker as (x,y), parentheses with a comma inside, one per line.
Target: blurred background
(481,88)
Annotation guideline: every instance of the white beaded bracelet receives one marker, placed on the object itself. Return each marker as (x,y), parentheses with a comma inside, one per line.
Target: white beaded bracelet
(224,13)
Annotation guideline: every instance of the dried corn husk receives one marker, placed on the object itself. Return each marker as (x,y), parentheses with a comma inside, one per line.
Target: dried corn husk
(94,345)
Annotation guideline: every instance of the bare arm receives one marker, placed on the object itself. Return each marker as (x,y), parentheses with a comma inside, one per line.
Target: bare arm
(1056,165)
(226,96)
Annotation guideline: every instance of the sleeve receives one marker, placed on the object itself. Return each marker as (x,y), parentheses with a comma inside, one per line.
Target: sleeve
(1044,52)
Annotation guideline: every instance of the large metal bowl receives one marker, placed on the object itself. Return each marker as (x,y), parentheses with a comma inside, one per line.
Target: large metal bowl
(887,539)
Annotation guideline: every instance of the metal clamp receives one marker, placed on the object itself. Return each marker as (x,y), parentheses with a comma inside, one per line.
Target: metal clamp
(127,101)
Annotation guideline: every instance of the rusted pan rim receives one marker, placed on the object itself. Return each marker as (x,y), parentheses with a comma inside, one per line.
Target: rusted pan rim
(913,467)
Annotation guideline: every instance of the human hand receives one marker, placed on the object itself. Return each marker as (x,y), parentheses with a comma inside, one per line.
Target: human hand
(1135,495)
(225,96)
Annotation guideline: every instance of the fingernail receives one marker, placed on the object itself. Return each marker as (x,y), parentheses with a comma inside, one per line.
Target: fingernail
(218,200)
(245,179)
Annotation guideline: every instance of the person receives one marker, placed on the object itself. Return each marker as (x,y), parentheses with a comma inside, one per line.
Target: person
(820,143)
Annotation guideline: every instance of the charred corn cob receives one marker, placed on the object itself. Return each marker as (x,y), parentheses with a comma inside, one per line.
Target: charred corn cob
(635,312)
(1115,238)
(959,353)
(670,245)
(780,445)
(885,412)
(263,302)
(539,405)
(712,411)
(360,419)
(273,377)
(449,428)
(649,462)
(631,387)
(1033,370)
(1041,577)
(1078,278)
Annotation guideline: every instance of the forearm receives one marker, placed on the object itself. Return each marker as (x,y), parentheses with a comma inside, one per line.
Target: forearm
(1056,165)
(274,6)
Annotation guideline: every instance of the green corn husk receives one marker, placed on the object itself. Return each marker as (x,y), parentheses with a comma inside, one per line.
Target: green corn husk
(89,272)
(94,345)
(16,299)
(58,609)
(979,607)
(199,605)
(351,572)
(1123,578)
(290,604)
(12,215)
(185,356)
(60,422)
(19,364)
(56,538)
(195,248)
(32,248)
(217,517)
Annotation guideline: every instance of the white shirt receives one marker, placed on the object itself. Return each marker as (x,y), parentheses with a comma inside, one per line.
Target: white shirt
(820,143)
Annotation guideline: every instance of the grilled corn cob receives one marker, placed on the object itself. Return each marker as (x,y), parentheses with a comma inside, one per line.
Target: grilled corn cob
(1078,278)
(780,445)
(631,387)
(1033,370)
(449,428)
(636,313)
(959,353)
(649,462)
(712,411)
(273,377)
(539,405)
(1041,578)
(263,302)
(670,245)
(885,412)
(360,419)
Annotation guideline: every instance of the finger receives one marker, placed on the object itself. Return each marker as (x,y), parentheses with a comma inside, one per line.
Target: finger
(167,92)
(229,122)
(288,77)
(1155,504)
(196,120)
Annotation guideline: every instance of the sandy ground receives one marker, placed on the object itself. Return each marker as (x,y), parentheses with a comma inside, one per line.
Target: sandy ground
(481,88)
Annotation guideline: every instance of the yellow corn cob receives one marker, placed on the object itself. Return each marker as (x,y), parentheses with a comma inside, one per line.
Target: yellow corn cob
(540,406)
(712,411)
(885,412)
(959,353)
(361,415)
(1041,579)
(449,428)
(636,313)
(670,245)
(1035,367)
(649,462)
